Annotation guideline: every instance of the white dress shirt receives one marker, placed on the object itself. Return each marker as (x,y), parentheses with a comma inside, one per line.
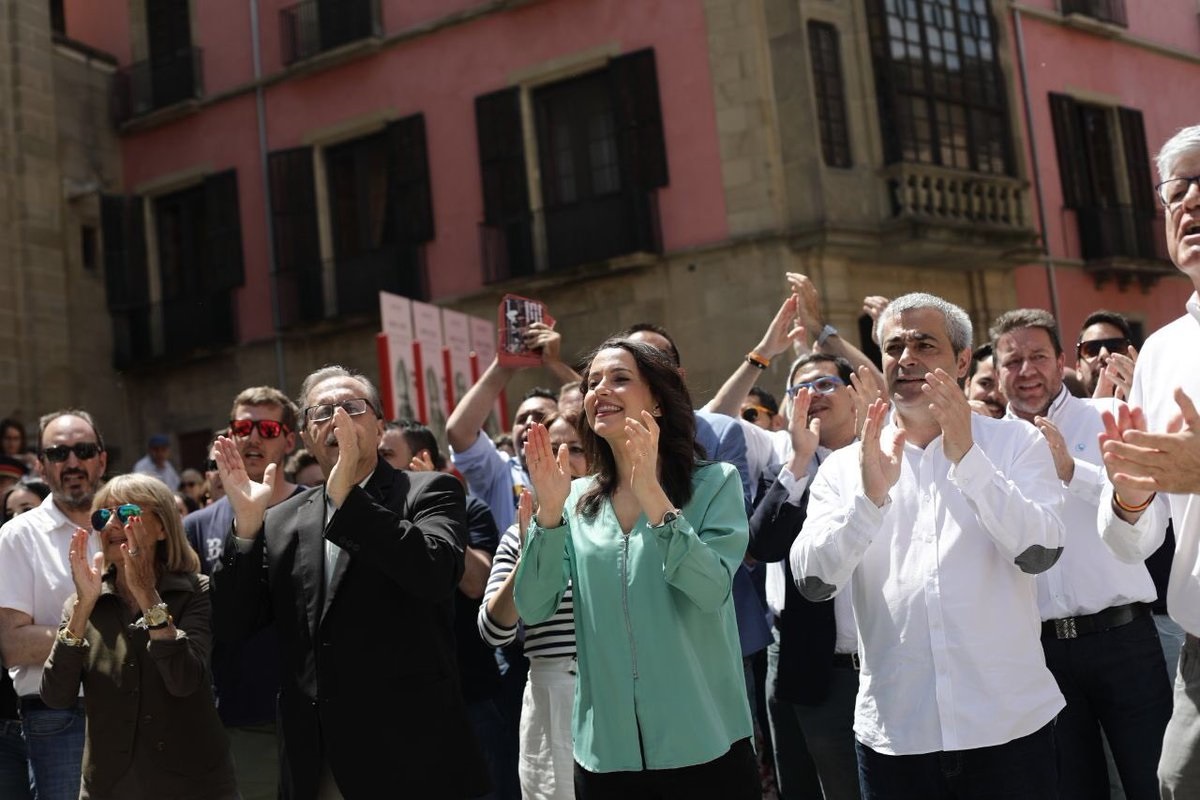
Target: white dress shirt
(944,589)
(1169,359)
(1088,577)
(846,640)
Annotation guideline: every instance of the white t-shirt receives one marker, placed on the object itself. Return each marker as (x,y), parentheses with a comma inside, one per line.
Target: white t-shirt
(35,574)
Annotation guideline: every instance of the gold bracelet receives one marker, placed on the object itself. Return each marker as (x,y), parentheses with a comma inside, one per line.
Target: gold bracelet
(1133,509)
(755,360)
(71,640)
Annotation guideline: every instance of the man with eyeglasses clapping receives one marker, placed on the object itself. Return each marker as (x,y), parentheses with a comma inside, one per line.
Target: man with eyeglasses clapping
(358,578)
(34,560)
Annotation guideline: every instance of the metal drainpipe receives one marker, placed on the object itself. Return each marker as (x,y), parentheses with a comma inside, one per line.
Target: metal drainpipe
(260,108)
(1037,176)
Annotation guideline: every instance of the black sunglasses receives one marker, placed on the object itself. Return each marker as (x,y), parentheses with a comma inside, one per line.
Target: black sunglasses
(267,428)
(124,512)
(750,413)
(210,465)
(1092,347)
(61,452)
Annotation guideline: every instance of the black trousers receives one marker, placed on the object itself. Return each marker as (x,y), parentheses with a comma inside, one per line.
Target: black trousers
(733,776)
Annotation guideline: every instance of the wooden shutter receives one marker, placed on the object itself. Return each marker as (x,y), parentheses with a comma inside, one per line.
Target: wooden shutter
(224,269)
(410,180)
(1137,161)
(126,281)
(638,118)
(1068,141)
(297,245)
(501,155)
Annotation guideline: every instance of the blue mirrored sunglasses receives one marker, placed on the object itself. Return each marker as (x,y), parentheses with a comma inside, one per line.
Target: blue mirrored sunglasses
(826,384)
(101,516)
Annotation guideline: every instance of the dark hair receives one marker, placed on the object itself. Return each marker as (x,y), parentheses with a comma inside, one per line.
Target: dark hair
(1102,315)
(677,447)
(9,422)
(29,484)
(540,391)
(844,368)
(1026,318)
(764,399)
(188,503)
(418,437)
(977,355)
(650,327)
(298,461)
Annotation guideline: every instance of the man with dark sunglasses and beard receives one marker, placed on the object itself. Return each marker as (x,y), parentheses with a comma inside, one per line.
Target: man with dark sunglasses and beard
(34,560)
(262,424)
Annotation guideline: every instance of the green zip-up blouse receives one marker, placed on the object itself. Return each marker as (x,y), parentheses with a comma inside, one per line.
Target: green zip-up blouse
(660,681)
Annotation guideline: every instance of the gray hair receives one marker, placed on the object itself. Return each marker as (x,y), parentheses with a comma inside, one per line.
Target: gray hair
(1186,141)
(46,419)
(336,371)
(958,324)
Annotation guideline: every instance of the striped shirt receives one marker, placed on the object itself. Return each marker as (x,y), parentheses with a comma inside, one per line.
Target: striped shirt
(553,638)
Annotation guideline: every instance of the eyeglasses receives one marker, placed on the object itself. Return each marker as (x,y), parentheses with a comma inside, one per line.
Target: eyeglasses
(61,452)
(1092,347)
(210,465)
(826,384)
(324,411)
(101,516)
(1171,192)
(267,428)
(750,413)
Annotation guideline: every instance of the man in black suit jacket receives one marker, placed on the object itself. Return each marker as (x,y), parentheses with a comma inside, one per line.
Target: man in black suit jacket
(358,576)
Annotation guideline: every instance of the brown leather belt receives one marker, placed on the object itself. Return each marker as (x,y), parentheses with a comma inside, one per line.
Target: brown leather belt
(1109,618)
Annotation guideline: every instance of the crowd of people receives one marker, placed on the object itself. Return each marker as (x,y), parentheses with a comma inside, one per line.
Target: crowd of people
(961,572)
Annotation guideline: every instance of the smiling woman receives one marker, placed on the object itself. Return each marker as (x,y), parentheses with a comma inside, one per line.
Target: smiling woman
(136,635)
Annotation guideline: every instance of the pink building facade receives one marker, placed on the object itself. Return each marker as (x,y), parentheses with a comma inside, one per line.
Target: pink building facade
(1105,82)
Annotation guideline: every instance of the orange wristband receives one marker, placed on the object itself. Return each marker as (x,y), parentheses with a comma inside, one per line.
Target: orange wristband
(1133,509)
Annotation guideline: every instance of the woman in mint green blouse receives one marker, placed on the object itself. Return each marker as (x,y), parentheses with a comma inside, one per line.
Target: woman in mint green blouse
(650,544)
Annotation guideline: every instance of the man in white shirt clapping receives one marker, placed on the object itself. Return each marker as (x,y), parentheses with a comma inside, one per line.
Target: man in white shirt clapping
(943,518)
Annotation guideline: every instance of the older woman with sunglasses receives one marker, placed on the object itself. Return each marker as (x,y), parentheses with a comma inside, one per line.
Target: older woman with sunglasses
(136,634)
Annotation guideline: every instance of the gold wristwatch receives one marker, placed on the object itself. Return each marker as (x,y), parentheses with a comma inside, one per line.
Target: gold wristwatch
(155,617)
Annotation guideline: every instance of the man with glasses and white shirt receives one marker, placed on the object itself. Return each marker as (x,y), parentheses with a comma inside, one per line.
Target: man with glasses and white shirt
(942,517)
(1154,446)
(34,563)
(359,582)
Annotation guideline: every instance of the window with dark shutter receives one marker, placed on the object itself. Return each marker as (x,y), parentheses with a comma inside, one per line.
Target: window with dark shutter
(638,119)
(506,236)
(939,86)
(126,280)
(830,93)
(1115,209)
(380,213)
(297,244)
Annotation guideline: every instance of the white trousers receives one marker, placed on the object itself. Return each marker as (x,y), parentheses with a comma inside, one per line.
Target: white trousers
(547,763)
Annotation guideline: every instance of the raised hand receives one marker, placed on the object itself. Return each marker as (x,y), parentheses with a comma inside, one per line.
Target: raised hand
(641,445)
(549,473)
(809,306)
(138,555)
(1117,375)
(342,477)
(805,433)
(248,498)
(880,470)
(1064,464)
(85,572)
(952,412)
(541,337)
(785,329)
(864,389)
(421,462)
(873,306)
(1140,462)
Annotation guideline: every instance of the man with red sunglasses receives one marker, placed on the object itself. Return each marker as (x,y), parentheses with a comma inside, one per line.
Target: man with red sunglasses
(262,423)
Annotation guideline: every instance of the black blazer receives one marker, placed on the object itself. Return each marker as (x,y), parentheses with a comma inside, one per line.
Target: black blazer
(807,630)
(368,679)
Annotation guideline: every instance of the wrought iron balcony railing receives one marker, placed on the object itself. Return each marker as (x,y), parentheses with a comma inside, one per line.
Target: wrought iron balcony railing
(147,86)
(315,26)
